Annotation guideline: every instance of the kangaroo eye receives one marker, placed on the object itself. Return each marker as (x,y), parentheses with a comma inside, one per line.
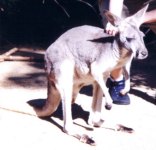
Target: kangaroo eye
(130,38)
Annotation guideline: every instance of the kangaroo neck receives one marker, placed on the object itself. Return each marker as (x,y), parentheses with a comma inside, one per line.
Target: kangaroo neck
(121,53)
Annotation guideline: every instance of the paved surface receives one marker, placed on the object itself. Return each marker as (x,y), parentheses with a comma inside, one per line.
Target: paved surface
(23,82)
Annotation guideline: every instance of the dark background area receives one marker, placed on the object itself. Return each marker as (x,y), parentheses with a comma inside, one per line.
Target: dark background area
(38,22)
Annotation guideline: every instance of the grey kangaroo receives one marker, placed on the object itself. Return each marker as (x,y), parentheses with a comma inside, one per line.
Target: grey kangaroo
(85,55)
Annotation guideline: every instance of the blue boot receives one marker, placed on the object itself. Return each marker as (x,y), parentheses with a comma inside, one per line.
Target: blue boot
(114,89)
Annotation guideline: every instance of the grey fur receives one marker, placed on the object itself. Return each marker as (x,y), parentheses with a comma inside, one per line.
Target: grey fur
(86,55)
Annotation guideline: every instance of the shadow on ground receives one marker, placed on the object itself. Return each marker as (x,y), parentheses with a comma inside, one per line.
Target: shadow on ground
(77,110)
(143,95)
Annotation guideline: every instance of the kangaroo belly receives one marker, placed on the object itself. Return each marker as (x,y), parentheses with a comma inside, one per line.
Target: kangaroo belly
(83,78)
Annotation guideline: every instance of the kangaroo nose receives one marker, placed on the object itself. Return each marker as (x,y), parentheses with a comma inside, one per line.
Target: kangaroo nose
(141,54)
(144,54)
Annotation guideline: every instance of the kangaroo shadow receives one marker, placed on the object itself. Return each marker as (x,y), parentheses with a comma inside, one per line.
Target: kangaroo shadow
(143,95)
(87,90)
(77,112)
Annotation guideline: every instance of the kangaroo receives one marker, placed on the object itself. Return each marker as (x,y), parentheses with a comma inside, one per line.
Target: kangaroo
(85,55)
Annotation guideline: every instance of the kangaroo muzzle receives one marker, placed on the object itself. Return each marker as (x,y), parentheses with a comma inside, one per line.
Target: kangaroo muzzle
(141,54)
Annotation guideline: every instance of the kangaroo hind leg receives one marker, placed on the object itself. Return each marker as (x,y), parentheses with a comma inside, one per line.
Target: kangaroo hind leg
(52,102)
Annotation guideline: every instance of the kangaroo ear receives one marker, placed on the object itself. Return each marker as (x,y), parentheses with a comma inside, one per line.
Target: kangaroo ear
(137,18)
(113,19)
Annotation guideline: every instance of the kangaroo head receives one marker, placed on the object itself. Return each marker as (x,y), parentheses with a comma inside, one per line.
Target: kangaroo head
(129,33)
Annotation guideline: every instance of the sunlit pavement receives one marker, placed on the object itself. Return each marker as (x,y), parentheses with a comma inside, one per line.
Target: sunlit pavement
(22,82)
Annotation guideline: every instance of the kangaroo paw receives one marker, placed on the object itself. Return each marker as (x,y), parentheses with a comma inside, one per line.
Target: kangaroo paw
(124,129)
(108,106)
(88,140)
(85,139)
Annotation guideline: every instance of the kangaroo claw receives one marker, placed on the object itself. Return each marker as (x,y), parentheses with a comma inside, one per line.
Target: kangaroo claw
(108,106)
(88,140)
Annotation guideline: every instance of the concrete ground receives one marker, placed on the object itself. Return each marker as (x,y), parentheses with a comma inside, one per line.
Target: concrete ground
(24,83)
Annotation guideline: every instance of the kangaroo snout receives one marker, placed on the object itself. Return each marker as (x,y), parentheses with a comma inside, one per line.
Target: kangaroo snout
(141,54)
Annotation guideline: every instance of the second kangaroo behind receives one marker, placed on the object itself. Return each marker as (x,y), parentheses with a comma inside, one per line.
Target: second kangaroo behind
(85,55)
